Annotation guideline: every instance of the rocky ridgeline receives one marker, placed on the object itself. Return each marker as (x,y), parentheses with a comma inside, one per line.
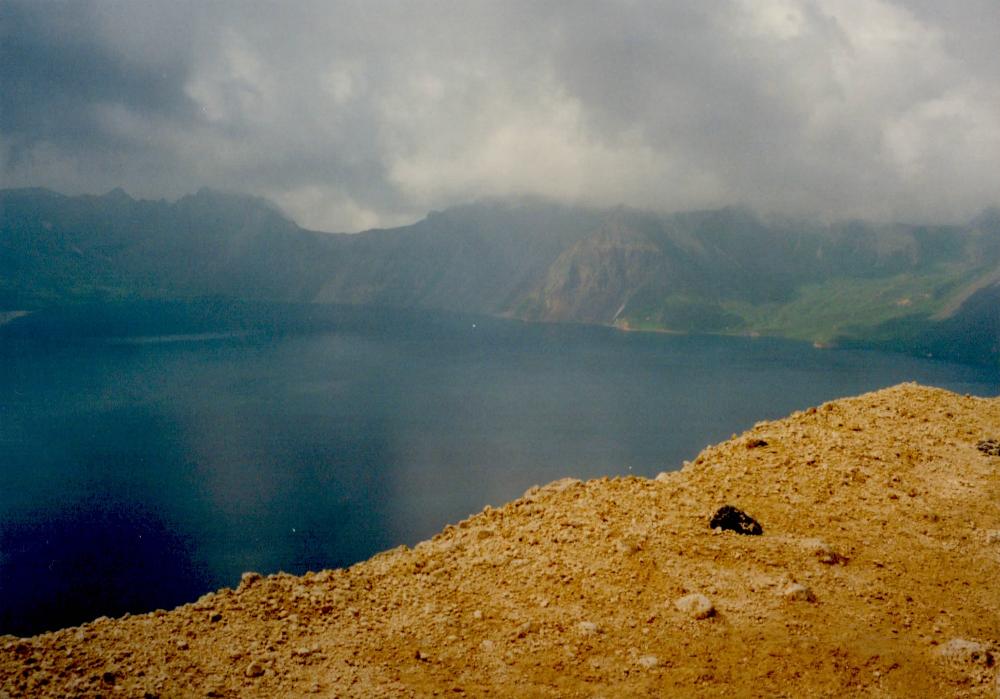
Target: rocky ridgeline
(871,570)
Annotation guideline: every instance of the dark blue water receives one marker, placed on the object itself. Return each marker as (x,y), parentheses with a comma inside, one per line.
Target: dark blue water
(139,473)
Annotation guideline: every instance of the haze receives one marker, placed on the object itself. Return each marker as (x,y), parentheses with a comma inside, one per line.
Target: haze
(352,115)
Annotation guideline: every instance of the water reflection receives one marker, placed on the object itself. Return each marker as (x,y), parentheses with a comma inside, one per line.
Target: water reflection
(136,476)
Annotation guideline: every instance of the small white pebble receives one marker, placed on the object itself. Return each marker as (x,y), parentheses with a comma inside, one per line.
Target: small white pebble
(696,606)
(649,661)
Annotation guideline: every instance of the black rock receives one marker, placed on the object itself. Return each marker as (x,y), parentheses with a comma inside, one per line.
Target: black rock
(728,517)
(990,447)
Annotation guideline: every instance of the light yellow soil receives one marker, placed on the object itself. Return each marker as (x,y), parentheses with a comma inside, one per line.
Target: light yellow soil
(880,505)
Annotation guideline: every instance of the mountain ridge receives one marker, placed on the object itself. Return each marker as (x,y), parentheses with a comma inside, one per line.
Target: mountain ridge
(727,270)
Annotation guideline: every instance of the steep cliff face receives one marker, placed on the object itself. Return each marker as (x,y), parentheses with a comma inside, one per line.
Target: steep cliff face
(875,575)
(593,281)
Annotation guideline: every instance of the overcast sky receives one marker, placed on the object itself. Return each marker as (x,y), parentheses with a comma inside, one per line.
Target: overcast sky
(358,114)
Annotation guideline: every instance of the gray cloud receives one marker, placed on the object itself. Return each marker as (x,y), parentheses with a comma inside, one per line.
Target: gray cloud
(57,71)
(355,114)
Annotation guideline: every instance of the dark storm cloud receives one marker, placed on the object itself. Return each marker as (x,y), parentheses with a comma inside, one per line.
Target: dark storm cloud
(352,114)
(57,72)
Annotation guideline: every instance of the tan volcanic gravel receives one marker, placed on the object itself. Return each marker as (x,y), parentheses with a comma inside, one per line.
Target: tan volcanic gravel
(878,575)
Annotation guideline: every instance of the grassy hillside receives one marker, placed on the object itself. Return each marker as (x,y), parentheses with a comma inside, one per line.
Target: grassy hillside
(824,311)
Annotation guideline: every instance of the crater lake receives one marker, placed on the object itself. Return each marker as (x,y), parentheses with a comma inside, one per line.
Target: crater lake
(140,471)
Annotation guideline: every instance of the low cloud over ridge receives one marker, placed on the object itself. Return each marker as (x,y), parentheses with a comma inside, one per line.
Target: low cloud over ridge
(357,114)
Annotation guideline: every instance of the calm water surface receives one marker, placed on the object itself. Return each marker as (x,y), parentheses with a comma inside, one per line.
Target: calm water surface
(139,473)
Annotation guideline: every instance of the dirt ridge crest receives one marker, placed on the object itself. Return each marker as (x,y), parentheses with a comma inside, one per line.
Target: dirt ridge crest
(875,575)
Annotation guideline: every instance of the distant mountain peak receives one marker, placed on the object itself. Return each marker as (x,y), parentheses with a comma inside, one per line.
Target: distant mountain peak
(117,194)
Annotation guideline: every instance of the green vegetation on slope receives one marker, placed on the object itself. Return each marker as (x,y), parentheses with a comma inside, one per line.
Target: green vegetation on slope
(833,308)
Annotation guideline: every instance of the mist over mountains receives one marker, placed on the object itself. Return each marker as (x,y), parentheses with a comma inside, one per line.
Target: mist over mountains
(924,289)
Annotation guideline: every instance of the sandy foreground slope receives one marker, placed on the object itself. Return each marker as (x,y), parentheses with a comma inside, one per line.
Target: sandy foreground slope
(878,575)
